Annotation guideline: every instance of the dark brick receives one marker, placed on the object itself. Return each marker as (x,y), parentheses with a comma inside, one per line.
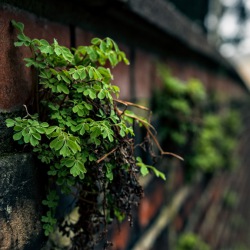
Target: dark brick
(143,75)
(150,205)
(83,37)
(20,203)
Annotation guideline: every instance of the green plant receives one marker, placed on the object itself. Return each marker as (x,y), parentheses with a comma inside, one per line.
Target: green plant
(177,107)
(230,199)
(216,142)
(82,136)
(190,241)
(203,131)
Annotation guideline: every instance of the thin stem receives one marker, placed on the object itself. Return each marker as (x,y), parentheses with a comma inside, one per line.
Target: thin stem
(106,155)
(148,126)
(145,124)
(27,112)
(132,104)
(90,202)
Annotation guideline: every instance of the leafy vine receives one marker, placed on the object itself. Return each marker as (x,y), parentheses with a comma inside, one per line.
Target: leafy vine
(83,135)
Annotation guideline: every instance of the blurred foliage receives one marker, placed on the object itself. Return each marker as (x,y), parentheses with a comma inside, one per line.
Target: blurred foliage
(230,199)
(195,125)
(191,241)
(214,146)
(176,107)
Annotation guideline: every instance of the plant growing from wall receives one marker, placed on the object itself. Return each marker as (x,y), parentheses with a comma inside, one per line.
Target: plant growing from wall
(177,107)
(214,146)
(201,130)
(82,136)
(191,241)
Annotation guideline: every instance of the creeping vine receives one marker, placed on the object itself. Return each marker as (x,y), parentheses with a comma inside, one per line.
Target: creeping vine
(83,135)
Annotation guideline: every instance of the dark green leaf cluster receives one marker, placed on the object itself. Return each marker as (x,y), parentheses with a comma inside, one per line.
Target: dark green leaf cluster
(49,220)
(216,142)
(178,108)
(205,136)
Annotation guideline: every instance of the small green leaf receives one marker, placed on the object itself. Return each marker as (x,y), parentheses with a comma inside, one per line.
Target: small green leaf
(113,58)
(144,170)
(91,73)
(76,76)
(10,123)
(101,95)
(33,141)
(69,162)
(95,41)
(158,173)
(66,53)
(18,44)
(17,136)
(103,46)
(65,79)
(37,136)
(62,88)
(19,26)
(23,38)
(50,130)
(109,173)
(26,138)
(56,144)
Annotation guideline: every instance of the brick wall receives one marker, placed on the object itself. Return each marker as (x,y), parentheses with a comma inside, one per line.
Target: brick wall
(168,207)
(21,179)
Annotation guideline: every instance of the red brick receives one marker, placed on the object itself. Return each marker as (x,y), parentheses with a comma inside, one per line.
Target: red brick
(178,223)
(15,78)
(157,81)
(143,75)
(121,236)
(150,205)
(145,212)
(83,37)
(121,74)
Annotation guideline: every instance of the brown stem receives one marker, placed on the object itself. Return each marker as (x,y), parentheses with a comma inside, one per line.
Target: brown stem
(27,112)
(145,124)
(148,126)
(160,148)
(90,202)
(106,155)
(132,104)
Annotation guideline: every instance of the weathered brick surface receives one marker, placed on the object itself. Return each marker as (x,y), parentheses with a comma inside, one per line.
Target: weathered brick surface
(20,190)
(20,203)
(83,37)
